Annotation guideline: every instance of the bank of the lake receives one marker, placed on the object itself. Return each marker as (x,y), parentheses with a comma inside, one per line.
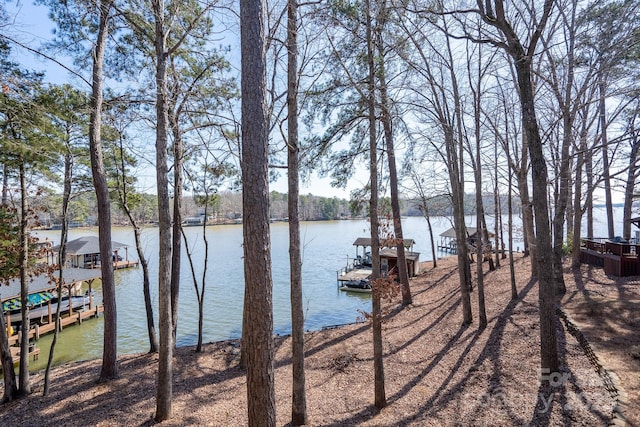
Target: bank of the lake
(326,246)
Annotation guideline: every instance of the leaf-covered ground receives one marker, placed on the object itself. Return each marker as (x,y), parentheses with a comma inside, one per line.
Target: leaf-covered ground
(437,372)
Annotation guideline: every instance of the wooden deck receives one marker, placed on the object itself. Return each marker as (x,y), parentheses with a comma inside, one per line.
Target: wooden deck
(616,258)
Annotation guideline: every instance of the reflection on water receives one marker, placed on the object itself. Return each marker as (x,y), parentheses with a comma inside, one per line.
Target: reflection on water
(326,247)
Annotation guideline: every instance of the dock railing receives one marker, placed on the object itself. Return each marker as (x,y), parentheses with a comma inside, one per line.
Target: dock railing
(607,246)
(352,264)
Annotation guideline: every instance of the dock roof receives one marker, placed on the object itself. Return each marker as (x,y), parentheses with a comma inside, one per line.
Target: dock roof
(43,282)
(366,241)
(471,231)
(88,245)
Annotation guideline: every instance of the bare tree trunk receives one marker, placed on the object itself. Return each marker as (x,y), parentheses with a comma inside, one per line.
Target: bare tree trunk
(62,255)
(433,244)
(497,208)
(298,392)
(577,198)
(527,213)
(606,176)
(380,398)
(164,390)
(480,235)
(146,288)
(512,272)
(546,283)
(9,375)
(632,173)
(24,386)
(590,188)
(257,322)
(387,125)
(522,61)
(176,250)
(110,355)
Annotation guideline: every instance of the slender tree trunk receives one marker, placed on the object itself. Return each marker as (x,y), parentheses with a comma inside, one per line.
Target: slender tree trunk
(546,283)
(387,125)
(146,290)
(24,385)
(9,375)
(497,208)
(62,255)
(204,275)
(630,186)
(431,240)
(401,265)
(380,398)
(257,322)
(480,235)
(164,390)
(109,355)
(512,272)
(577,198)
(527,218)
(606,176)
(588,170)
(123,192)
(176,249)
(298,392)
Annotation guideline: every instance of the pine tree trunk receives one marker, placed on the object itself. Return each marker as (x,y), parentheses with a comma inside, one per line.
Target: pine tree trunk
(110,355)
(380,397)
(298,392)
(257,322)
(164,387)
(24,385)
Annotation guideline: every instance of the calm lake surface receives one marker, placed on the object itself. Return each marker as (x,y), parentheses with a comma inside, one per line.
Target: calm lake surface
(326,246)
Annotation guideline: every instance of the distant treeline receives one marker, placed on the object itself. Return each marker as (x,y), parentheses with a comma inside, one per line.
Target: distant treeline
(228,206)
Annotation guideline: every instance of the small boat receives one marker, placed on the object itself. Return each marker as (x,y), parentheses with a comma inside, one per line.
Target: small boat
(363,286)
(39,313)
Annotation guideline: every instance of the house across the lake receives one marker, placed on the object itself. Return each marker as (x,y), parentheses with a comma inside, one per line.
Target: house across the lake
(84,252)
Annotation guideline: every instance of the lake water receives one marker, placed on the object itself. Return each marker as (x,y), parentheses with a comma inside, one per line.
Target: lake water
(326,246)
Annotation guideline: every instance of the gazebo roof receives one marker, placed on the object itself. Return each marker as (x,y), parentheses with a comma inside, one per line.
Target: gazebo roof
(88,245)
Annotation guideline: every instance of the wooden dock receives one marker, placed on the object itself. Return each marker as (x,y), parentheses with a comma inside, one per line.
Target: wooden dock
(77,317)
(117,265)
(356,274)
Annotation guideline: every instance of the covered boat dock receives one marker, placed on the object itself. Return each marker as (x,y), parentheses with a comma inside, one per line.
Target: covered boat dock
(359,268)
(42,292)
(84,252)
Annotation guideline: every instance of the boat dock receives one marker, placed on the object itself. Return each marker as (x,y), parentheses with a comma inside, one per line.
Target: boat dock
(77,316)
(43,302)
(354,273)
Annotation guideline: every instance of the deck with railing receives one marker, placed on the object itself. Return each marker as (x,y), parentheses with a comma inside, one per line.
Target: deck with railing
(617,257)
